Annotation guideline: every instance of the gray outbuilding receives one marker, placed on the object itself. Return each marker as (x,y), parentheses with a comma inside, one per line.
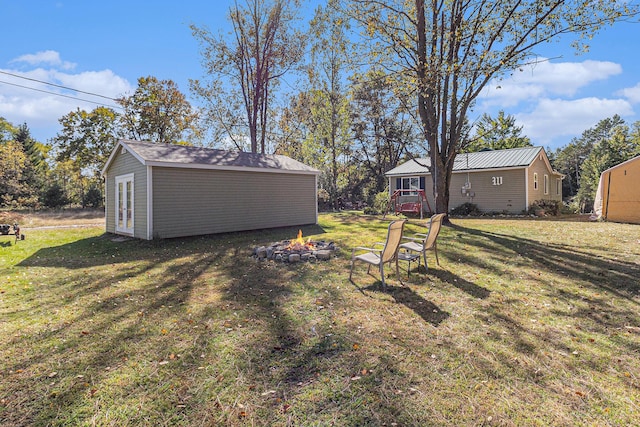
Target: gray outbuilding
(163,191)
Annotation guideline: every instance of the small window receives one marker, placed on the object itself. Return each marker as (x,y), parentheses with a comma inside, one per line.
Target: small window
(546,184)
(411,183)
(535,181)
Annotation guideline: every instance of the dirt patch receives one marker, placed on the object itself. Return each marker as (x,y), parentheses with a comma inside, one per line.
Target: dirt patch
(57,218)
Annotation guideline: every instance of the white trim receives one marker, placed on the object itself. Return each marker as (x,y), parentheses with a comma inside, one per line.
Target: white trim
(316,191)
(117,151)
(106,197)
(417,173)
(149,203)
(130,231)
(526,189)
(227,168)
(545,185)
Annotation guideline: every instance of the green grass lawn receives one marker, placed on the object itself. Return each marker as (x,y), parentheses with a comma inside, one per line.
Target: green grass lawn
(524,323)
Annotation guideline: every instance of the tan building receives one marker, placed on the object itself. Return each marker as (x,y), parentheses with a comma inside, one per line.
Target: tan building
(163,191)
(618,195)
(496,181)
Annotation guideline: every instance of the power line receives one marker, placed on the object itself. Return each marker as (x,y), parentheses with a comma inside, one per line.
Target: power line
(53,84)
(60,94)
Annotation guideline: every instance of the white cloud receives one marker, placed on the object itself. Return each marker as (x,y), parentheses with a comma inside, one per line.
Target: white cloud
(556,118)
(26,98)
(631,93)
(45,57)
(546,78)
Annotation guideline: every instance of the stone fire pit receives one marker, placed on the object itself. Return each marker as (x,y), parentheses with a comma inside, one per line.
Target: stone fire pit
(296,250)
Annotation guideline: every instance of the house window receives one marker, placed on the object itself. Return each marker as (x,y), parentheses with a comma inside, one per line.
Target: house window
(546,184)
(535,181)
(496,180)
(410,183)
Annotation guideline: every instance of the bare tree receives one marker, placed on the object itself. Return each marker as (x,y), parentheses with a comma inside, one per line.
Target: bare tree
(262,48)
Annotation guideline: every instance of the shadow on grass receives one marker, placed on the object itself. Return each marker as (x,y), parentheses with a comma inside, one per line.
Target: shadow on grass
(456,281)
(608,274)
(111,249)
(277,338)
(427,310)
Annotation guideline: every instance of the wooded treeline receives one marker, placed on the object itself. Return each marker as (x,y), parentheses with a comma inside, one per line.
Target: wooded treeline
(360,88)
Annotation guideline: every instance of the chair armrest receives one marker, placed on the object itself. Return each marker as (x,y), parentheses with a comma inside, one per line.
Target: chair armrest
(362,248)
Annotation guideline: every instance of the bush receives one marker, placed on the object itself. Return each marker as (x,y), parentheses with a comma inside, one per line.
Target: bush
(92,198)
(55,197)
(323,199)
(466,209)
(544,207)
(380,204)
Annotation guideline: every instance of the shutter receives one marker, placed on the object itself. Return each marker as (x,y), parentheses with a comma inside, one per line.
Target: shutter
(398,183)
(422,183)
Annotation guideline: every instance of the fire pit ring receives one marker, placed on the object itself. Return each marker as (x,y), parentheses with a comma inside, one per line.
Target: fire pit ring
(295,250)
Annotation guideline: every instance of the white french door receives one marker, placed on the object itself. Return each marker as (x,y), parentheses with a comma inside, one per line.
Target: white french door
(124,204)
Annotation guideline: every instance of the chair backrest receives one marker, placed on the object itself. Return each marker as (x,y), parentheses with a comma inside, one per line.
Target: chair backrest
(394,236)
(434,229)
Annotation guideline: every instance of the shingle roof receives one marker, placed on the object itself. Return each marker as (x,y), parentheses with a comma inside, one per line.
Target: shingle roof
(171,155)
(495,159)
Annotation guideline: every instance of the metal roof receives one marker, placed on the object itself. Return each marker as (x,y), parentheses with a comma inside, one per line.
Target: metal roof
(170,155)
(481,160)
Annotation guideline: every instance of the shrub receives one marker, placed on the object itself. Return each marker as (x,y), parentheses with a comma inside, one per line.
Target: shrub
(380,204)
(92,198)
(466,209)
(55,196)
(323,199)
(544,207)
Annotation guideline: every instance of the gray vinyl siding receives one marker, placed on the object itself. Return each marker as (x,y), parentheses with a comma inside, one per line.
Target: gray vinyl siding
(508,197)
(197,201)
(123,164)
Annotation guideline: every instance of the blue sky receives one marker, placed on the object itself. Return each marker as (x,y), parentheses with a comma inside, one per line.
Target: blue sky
(104,47)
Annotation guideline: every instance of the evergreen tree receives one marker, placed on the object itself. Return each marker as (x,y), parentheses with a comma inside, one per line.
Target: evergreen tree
(614,146)
(497,134)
